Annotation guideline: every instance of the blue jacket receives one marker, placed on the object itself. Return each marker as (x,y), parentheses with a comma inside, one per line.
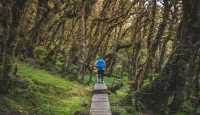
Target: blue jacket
(100,64)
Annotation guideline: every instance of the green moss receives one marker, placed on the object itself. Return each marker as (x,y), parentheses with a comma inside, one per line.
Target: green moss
(46,94)
(107,80)
(181,113)
(121,102)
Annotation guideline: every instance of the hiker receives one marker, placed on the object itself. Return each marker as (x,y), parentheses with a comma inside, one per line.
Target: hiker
(100,65)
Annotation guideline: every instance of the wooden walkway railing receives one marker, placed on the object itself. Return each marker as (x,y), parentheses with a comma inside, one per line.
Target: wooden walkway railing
(100,103)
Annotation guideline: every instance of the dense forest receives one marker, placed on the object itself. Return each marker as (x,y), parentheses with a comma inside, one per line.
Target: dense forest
(48,47)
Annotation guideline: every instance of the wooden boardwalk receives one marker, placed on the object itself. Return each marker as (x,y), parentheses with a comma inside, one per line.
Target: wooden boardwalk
(100,103)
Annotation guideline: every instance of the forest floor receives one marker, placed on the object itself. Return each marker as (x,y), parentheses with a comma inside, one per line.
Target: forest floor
(42,92)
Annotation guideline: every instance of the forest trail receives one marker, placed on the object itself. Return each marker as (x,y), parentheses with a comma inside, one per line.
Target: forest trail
(100,103)
(49,50)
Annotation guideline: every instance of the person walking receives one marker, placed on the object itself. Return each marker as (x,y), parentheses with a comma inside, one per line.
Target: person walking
(100,65)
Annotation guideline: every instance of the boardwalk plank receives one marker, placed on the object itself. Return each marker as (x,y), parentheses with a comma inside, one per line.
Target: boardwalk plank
(100,103)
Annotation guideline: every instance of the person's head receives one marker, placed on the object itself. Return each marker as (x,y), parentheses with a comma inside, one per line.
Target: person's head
(100,57)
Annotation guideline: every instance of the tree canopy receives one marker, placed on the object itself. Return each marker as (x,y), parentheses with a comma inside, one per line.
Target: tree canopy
(156,43)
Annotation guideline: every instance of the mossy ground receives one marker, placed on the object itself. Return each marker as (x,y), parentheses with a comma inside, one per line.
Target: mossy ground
(44,93)
(41,92)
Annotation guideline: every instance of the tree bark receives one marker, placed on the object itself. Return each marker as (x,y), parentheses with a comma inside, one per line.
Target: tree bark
(173,77)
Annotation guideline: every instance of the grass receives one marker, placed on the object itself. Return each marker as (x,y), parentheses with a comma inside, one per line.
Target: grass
(121,102)
(108,80)
(44,93)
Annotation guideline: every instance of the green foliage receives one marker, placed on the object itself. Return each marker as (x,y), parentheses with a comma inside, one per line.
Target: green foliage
(60,60)
(46,94)
(108,80)
(121,102)
(40,54)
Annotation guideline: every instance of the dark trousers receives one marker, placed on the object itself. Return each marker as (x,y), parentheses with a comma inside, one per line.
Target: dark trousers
(100,76)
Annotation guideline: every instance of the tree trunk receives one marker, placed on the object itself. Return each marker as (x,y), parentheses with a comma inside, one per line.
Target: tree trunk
(172,79)
(12,11)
